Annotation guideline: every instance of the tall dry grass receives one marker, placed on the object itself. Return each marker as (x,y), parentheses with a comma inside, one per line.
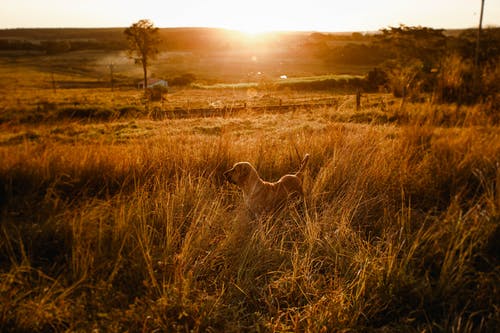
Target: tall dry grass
(398,234)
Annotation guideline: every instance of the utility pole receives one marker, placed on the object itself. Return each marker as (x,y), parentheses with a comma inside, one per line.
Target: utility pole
(476,57)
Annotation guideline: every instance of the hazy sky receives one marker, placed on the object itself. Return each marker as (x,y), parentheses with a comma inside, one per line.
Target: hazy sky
(252,15)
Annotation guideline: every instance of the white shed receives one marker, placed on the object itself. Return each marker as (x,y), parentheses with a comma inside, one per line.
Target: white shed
(153,83)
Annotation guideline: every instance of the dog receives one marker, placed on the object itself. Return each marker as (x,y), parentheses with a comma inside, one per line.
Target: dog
(262,197)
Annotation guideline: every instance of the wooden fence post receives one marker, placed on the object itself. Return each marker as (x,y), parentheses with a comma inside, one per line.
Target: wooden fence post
(358,100)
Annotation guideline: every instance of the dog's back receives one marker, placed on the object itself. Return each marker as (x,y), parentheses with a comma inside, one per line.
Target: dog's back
(290,186)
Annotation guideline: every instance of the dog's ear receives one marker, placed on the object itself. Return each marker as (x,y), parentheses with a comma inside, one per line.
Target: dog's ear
(243,172)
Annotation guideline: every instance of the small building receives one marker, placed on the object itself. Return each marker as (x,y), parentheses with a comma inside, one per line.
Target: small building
(152,83)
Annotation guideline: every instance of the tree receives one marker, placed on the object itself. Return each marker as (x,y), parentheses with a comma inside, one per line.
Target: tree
(409,43)
(414,53)
(143,38)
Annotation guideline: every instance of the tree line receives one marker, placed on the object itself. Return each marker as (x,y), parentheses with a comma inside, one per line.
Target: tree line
(61,46)
(409,61)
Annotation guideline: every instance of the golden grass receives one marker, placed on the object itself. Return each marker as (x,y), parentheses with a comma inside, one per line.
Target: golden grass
(129,225)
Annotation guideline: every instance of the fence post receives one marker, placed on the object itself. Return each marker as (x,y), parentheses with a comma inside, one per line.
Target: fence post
(358,100)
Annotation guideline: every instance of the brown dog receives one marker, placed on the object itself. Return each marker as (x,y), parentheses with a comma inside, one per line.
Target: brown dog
(263,197)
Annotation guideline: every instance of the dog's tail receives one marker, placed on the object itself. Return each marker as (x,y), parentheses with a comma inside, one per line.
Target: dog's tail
(302,166)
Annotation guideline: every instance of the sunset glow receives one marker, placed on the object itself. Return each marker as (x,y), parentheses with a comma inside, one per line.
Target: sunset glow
(253,16)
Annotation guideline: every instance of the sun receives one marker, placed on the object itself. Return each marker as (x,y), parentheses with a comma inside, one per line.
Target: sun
(252,30)
(251,17)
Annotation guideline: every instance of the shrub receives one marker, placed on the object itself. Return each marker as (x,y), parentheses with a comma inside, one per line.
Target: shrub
(183,80)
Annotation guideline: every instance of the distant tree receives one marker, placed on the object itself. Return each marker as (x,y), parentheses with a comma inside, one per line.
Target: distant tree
(357,35)
(414,53)
(489,52)
(55,47)
(183,80)
(414,43)
(143,38)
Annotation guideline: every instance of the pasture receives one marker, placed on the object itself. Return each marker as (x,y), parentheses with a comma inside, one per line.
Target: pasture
(115,215)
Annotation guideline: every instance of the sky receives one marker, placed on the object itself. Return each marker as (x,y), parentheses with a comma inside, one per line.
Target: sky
(251,16)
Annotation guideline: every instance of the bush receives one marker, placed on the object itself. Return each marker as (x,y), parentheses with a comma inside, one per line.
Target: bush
(156,93)
(183,80)
(376,79)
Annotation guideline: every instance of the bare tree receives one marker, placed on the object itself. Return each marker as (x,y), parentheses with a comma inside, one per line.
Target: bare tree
(143,38)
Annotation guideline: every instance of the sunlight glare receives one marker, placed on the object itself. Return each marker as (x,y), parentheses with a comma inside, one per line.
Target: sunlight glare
(251,17)
(253,30)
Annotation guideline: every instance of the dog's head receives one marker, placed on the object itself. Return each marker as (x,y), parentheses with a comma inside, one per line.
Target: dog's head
(239,173)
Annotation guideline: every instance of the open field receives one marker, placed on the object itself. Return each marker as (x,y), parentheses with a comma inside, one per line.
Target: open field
(127,224)
(114,214)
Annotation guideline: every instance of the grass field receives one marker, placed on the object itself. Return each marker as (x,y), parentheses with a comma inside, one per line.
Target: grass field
(114,219)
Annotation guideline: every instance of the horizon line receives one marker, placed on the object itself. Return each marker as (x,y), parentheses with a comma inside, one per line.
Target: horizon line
(241,30)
